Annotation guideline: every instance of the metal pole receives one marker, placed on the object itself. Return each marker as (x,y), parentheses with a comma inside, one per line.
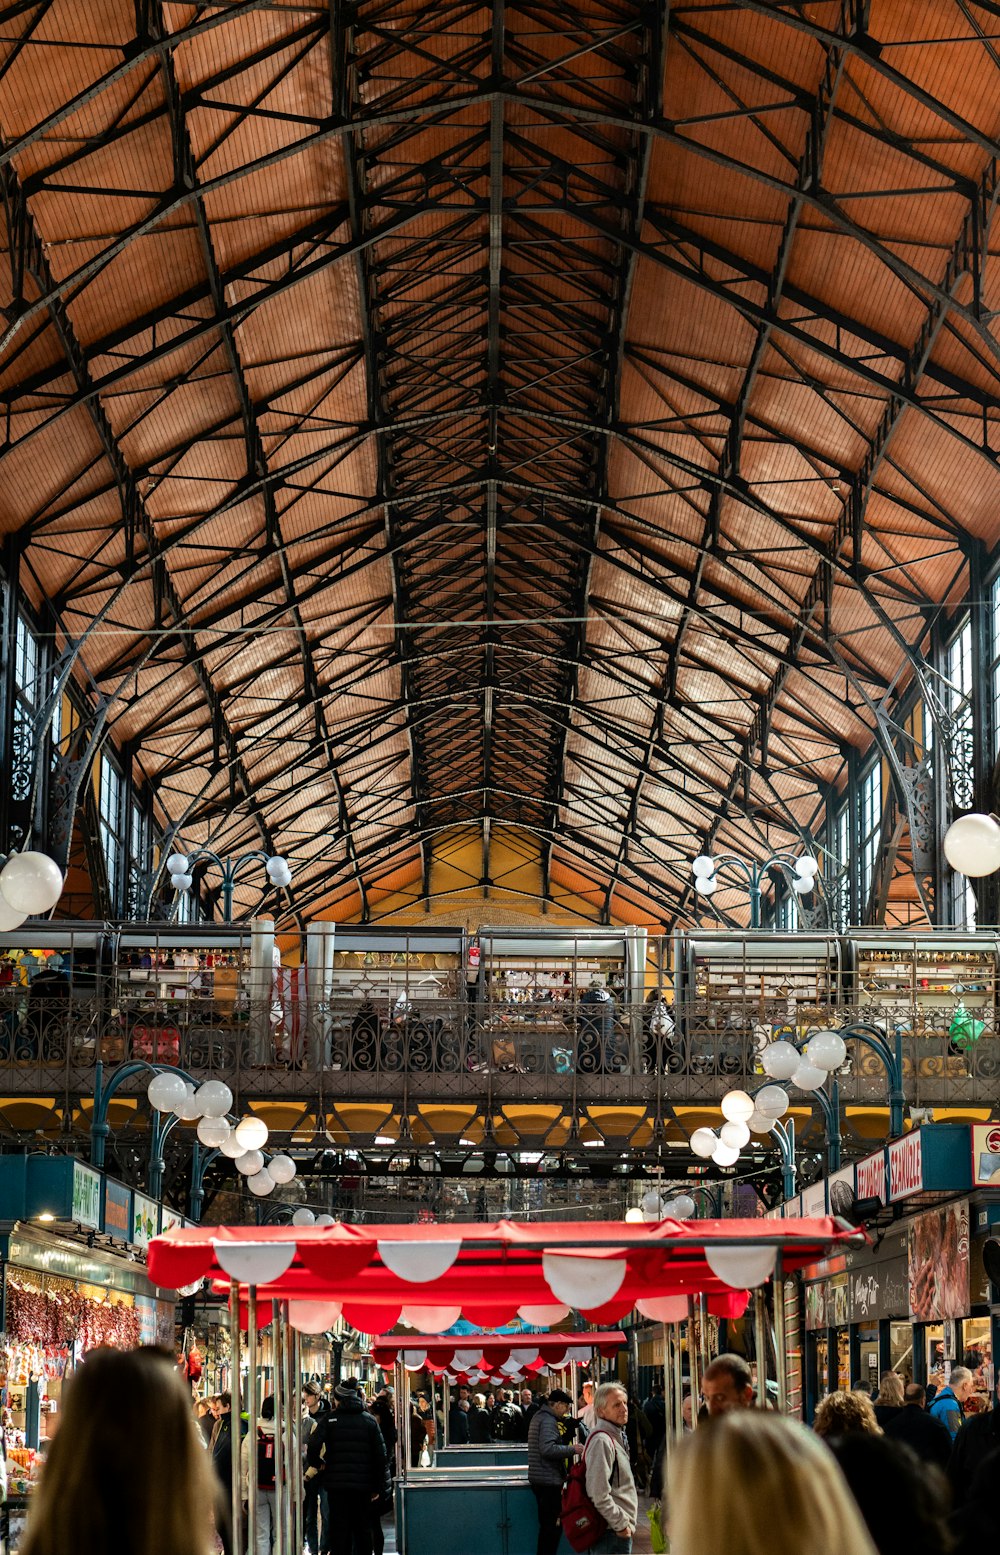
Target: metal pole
(693,1369)
(679,1384)
(295,1393)
(668,1389)
(236,1488)
(446,1412)
(253,1409)
(703,1332)
(279,1530)
(407,1429)
(780,1338)
(760,1343)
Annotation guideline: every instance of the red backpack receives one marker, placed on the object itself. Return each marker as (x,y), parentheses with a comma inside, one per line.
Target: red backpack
(581,1522)
(265,1460)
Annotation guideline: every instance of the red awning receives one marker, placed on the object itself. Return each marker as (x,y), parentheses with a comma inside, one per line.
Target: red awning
(490,1272)
(468,1353)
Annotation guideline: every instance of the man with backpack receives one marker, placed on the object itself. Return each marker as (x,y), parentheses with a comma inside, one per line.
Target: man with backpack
(610,1487)
(349,1459)
(257,1455)
(507,1419)
(548,1459)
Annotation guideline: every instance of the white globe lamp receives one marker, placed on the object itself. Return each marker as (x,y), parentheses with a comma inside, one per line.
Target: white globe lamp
(780,1060)
(772,1101)
(329,1220)
(166,1091)
(808,1077)
(31,882)
(704,865)
(971,846)
(760,1123)
(282,1168)
(10,918)
(683,1206)
(705,884)
(826,1049)
(231,1147)
(737,1106)
(215,1098)
(735,1135)
(806,867)
(250,1163)
(213,1132)
(634,1215)
(303,1217)
(252,1133)
(261,1183)
(703,1142)
(177,864)
(189,1110)
(725,1155)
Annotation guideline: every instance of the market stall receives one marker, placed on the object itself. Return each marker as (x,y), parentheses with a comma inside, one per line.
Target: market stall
(306,1276)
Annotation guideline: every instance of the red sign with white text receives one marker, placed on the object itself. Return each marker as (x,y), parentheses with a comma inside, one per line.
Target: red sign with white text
(870,1177)
(906,1166)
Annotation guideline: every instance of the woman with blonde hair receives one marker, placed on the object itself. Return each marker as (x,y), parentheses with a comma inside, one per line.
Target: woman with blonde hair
(127,1472)
(750,1483)
(889,1401)
(841,1413)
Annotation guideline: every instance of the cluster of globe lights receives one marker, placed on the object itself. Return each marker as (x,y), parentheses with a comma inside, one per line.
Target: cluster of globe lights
(242,1142)
(653,1206)
(806,1069)
(804,878)
(30,884)
(179,868)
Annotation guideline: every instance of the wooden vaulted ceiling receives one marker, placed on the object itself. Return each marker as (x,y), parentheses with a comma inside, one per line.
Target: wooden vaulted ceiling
(430,417)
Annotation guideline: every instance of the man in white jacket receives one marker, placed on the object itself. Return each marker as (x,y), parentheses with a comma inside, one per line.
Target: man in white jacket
(257,1461)
(610,1484)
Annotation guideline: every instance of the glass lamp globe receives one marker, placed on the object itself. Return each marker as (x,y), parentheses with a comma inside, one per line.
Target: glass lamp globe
(188,1110)
(684,1206)
(177,864)
(215,1099)
(705,884)
(330,1220)
(166,1091)
(737,1106)
(651,1205)
(704,864)
(10,918)
(231,1147)
(703,1142)
(760,1123)
(31,882)
(971,846)
(213,1132)
(827,1050)
(282,1168)
(808,1077)
(252,1133)
(735,1135)
(779,1060)
(303,1217)
(772,1101)
(250,1163)
(634,1215)
(261,1183)
(806,866)
(725,1155)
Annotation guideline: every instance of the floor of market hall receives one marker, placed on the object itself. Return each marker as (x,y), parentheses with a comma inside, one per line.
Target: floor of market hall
(641,1542)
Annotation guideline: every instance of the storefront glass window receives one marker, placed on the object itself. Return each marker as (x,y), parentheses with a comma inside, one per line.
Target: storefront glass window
(977,1353)
(901,1350)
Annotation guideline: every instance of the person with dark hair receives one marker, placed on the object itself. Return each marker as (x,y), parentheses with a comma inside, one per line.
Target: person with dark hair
(904,1502)
(258,1475)
(727,1385)
(977,1439)
(127,1469)
(913,1425)
(458,1423)
(348,1456)
(315,1510)
(222,1461)
(549,1458)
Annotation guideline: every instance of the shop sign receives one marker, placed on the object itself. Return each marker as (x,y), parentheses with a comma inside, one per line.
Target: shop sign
(880,1290)
(145,1216)
(170,1220)
(117,1210)
(146,1308)
(906,1165)
(870,1177)
(938,1263)
(816,1301)
(841,1185)
(86,1210)
(813,1200)
(838,1302)
(985,1155)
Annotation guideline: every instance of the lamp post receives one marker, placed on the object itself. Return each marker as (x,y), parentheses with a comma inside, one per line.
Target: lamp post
(180,867)
(707,872)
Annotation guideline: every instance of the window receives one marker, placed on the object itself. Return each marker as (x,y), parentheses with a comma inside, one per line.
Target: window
(112,826)
(786,913)
(138,860)
(995,652)
(27,691)
(837,880)
(869,829)
(957,667)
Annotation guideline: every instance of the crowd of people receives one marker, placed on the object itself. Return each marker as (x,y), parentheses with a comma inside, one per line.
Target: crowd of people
(129,1469)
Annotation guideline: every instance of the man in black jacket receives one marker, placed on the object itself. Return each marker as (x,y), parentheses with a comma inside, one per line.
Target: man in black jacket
(480,1423)
(348,1456)
(314,1504)
(976,1439)
(549,1458)
(222,1461)
(507,1420)
(913,1425)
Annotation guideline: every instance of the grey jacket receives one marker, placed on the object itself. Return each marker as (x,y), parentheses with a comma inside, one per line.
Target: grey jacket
(548,1456)
(610,1485)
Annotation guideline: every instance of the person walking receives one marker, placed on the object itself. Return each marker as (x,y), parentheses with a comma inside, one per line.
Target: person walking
(315,1507)
(889,1399)
(610,1484)
(928,1438)
(727,1385)
(948,1401)
(977,1439)
(258,1464)
(458,1423)
(586,1414)
(507,1420)
(480,1423)
(222,1462)
(549,1458)
(350,1460)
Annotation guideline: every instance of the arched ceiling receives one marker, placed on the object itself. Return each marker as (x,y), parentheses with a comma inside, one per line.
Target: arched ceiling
(566,417)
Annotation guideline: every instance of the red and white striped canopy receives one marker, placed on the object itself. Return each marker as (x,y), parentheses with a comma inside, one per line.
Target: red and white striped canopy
(465,1356)
(490,1273)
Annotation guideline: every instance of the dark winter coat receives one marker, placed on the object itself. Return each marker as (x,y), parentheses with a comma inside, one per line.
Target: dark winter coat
(978,1437)
(507,1423)
(928,1438)
(458,1426)
(549,1457)
(480,1427)
(222,1451)
(349,1454)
